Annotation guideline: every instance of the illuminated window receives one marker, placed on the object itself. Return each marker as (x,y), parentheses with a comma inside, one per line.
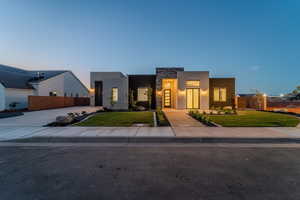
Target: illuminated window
(220,94)
(142,94)
(115,94)
(192,83)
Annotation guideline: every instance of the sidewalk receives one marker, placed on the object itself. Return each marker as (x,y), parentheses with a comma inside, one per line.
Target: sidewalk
(150,134)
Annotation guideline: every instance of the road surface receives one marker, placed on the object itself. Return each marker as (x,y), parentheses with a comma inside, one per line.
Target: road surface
(159,172)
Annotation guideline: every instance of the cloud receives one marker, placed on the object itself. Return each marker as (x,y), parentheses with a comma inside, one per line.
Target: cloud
(255,68)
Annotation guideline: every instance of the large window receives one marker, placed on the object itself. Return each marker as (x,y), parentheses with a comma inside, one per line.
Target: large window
(142,94)
(220,94)
(115,94)
(192,83)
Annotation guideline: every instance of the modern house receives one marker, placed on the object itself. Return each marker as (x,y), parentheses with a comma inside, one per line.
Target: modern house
(17,84)
(168,88)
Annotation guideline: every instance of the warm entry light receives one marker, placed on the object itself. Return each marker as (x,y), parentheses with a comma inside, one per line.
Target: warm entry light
(158,92)
(92,90)
(181,92)
(204,92)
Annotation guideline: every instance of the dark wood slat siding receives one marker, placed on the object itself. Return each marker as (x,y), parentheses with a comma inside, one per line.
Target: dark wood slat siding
(139,81)
(228,83)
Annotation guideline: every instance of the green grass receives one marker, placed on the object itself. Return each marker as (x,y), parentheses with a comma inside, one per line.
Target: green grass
(162,121)
(255,119)
(118,119)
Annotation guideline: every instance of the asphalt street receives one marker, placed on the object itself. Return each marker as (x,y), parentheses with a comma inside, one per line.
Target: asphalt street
(145,172)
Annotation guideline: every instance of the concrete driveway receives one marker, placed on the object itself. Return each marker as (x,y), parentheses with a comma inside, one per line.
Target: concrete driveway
(43,117)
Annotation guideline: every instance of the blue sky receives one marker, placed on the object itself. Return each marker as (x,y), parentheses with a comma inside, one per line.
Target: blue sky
(256,41)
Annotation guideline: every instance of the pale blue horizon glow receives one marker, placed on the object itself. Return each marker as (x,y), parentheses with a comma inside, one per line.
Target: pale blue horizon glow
(255,41)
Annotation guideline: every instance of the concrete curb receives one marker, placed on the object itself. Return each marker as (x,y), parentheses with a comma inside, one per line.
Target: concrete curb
(153,140)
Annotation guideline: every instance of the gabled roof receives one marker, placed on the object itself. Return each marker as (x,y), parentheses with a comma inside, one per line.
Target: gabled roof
(12,77)
(38,76)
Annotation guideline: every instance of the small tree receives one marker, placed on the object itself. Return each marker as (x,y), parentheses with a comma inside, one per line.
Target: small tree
(149,94)
(132,102)
(295,95)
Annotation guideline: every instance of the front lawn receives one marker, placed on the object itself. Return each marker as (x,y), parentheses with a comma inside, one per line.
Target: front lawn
(255,119)
(119,119)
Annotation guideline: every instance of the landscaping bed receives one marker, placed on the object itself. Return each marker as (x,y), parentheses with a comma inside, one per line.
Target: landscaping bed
(162,119)
(119,119)
(203,118)
(255,119)
(70,119)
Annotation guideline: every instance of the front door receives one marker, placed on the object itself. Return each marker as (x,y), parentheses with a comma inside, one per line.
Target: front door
(193,98)
(167,98)
(98,93)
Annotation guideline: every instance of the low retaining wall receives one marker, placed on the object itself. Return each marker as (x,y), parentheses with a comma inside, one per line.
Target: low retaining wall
(284,109)
(287,104)
(50,102)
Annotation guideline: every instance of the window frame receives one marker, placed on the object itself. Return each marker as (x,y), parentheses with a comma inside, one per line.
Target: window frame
(145,94)
(220,98)
(115,97)
(187,85)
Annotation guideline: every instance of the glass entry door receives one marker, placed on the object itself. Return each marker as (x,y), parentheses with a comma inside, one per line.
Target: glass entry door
(167,98)
(193,98)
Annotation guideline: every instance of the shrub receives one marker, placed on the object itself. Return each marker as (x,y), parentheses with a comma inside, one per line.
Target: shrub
(200,117)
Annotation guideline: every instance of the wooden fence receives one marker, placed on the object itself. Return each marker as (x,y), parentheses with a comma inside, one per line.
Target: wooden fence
(251,102)
(286,106)
(50,102)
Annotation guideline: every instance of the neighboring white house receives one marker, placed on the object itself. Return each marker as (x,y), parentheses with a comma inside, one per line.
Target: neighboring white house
(17,84)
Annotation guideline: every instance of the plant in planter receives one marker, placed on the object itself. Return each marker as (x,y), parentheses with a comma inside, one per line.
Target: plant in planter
(201,117)
(132,102)
(149,94)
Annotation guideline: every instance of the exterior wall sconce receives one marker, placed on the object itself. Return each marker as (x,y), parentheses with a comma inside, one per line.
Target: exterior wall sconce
(158,92)
(204,92)
(181,92)
(92,90)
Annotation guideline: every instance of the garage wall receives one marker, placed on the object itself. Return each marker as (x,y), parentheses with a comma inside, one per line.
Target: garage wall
(111,80)
(74,86)
(17,95)
(63,84)
(2,97)
(55,84)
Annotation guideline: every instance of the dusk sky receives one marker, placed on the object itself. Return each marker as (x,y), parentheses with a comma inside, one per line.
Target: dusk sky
(256,41)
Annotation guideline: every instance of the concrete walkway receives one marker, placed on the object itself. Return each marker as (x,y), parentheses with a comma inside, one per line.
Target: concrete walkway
(43,117)
(10,133)
(180,118)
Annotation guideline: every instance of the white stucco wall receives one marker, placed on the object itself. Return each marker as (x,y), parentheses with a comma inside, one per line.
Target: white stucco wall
(203,77)
(111,80)
(61,84)
(2,97)
(50,85)
(74,86)
(17,95)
